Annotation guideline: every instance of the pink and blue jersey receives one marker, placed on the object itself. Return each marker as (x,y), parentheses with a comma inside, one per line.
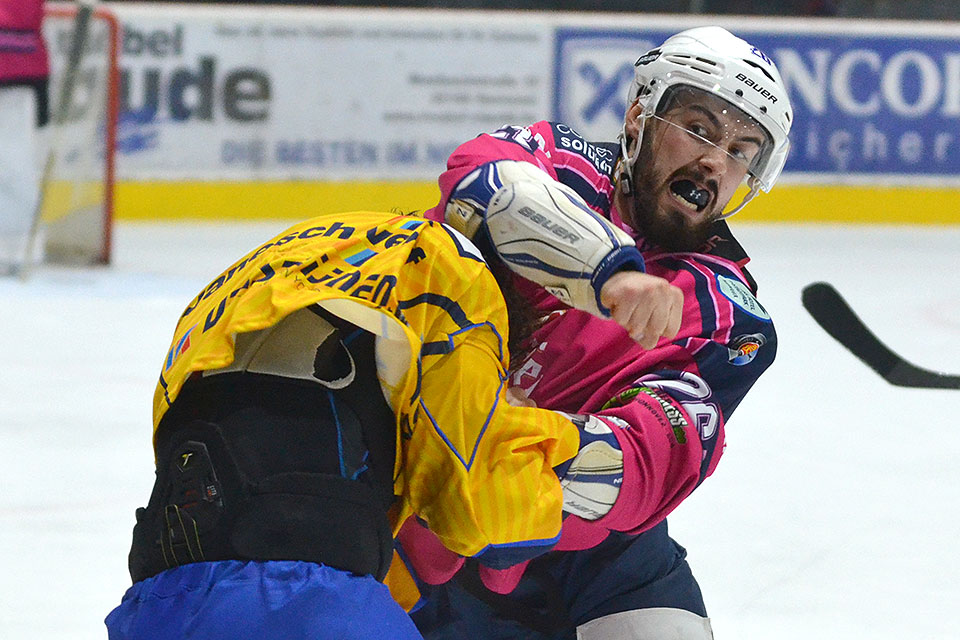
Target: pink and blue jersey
(667,406)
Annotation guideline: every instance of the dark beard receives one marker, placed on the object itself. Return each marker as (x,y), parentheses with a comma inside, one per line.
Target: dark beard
(670,230)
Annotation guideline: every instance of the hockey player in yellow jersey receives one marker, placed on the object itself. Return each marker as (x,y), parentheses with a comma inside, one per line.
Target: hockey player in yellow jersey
(336,380)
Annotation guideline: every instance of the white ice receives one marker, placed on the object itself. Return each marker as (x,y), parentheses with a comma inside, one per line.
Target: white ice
(835,512)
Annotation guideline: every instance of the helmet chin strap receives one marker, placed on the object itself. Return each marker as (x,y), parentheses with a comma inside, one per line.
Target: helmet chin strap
(627,161)
(754,185)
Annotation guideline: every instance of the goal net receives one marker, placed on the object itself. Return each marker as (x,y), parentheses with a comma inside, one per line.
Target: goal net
(76,205)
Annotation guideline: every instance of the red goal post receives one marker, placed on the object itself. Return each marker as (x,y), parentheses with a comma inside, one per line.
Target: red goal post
(77,197)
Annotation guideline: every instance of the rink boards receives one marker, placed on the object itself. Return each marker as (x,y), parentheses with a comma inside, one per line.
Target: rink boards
(283,112)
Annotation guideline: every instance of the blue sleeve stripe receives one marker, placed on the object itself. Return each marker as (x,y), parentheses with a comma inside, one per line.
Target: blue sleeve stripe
(521,544)
(336,421)
(708,310)
(463,253)
(527,260)
(503,556)
(453,309)
(486,423)
(449,346)
(587,191)
(487,324)
(603,222)
(442,435)
(421,587)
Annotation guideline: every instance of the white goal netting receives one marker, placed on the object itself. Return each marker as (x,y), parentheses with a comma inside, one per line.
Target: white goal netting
(77,195)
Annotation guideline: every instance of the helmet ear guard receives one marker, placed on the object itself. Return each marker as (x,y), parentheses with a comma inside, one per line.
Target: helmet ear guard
(714,61)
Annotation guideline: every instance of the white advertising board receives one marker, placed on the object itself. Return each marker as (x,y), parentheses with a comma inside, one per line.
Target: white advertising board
(320,94)
(288,93)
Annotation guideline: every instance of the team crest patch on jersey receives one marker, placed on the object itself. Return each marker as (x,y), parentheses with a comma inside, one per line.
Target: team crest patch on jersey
(744,348)
(738,293)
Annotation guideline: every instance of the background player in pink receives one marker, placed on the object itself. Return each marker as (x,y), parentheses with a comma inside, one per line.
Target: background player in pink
(24,73)
(706,113)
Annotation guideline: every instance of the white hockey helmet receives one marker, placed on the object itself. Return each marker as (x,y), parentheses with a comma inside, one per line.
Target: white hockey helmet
(717,62)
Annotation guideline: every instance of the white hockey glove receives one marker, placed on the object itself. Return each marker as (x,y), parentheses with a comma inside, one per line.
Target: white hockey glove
(591,480)
(543,230)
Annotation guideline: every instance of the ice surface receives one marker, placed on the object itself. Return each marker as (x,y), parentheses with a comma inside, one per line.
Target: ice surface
(834,514)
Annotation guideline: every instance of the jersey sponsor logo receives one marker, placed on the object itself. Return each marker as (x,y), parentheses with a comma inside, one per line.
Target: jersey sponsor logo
(743,349)
(600,157)
(374,287)
(674,416)
(740,295)
(675,421)
(693,394)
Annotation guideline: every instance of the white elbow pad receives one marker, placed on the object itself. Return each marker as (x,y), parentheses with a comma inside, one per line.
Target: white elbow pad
(468,202)
(545,232)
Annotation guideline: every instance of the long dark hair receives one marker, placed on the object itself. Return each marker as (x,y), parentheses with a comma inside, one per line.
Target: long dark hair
(521,314)
(523,319)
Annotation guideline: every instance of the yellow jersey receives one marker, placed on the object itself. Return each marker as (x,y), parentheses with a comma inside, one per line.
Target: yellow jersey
(477,470)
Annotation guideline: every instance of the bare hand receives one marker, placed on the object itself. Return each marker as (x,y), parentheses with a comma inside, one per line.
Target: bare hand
(647,306)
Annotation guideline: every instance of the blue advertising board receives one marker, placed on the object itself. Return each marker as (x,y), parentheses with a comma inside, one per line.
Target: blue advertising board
(864,105)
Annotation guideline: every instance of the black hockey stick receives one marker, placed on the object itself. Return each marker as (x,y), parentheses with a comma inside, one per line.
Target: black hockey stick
(833,313)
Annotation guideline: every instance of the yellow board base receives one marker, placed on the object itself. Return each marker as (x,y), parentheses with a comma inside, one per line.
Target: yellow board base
(300,200)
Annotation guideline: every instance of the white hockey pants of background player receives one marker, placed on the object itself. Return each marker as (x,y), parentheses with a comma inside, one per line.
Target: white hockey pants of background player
(20,158)
(645,624)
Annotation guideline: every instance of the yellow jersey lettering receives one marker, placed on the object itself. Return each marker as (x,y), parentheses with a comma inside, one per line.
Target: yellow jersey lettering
(345,281)
(345,232)
(260,250)
(400,238)
(374,236)
(213,286)
(285,239)
(359,291)
(386,285)
(312,232)
(214,315)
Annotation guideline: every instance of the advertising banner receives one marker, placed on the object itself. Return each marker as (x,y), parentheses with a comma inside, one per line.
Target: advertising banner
(865,106)
(291,93)
(256,94)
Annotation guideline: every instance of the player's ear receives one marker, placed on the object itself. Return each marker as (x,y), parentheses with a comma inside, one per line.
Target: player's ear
(632,119)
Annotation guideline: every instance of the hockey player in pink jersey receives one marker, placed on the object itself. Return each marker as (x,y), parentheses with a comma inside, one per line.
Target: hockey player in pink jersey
(707,112)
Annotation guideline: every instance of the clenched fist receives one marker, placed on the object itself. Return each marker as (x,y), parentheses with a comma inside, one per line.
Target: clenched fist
(647,306)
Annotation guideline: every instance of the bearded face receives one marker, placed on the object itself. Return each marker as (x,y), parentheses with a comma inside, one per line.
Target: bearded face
(695,152)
